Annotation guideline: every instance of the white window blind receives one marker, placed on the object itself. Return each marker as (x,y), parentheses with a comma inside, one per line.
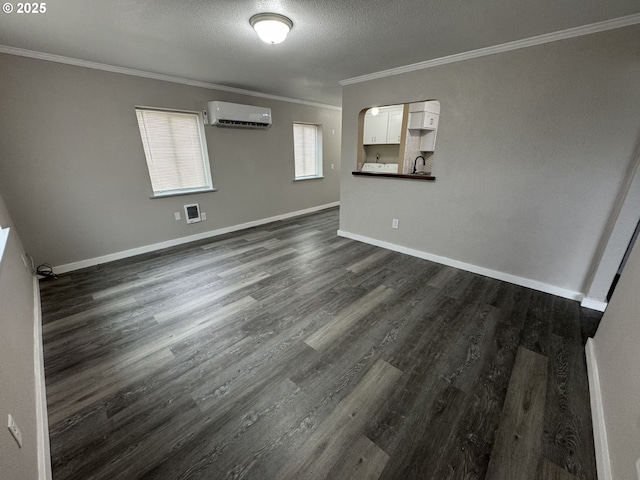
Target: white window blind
(307,150)
(176,152)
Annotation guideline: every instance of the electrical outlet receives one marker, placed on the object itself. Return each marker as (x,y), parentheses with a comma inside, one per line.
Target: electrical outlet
(15,431)
(176,215)
(203,215)
(395,223)
(332,166)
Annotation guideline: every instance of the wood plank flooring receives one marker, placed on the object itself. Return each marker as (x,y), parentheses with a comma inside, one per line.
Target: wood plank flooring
(286,352)
(516,450)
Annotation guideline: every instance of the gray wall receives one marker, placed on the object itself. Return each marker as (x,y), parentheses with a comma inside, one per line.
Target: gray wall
(73,172)
(622,226)
(17,374)
(617,351)
(532,150)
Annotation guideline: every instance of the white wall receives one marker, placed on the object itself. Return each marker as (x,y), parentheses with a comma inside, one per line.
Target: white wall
(623,225)
(18,373)
(617,356)
(74,176)
(533,146)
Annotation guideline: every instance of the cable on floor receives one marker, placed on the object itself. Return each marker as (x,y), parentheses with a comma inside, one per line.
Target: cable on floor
(46,270)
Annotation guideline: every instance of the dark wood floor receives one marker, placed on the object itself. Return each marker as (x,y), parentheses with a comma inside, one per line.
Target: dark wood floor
(286,352)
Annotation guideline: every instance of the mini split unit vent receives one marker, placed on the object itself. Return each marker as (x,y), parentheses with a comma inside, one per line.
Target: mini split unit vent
(224,114)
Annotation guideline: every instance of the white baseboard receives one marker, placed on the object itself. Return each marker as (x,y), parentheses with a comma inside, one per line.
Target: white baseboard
(42,420)
(593,304)
(69,267)
(506,277)
(600,441)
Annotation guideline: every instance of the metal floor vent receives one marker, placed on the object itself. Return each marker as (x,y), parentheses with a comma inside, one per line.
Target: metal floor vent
(192,212)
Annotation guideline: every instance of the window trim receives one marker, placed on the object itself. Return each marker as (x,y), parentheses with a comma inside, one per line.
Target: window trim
(178,193)
(304,179)
(209,187)
(319,159)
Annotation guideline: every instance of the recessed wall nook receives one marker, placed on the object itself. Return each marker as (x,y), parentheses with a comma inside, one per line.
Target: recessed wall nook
(398,141)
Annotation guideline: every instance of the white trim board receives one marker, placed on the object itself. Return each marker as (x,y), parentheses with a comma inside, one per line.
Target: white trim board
(91,262)
(593,304)
(42,422)
(504,47)
(603,463)
(506,277)
(49,57)
(4,239)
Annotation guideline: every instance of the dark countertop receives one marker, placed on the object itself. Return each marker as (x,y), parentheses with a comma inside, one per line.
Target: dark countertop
(405,176)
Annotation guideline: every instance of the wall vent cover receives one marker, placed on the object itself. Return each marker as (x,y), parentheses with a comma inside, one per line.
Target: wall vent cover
(192,213)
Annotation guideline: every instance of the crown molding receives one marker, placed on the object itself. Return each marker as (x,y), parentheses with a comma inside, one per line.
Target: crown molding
(154,76)
(504,47)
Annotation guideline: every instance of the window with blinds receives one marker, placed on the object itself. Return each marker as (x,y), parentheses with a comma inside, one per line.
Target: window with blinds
(307,144)
(176,151)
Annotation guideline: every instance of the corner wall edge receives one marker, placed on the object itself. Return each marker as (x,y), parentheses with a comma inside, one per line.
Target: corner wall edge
(601,444)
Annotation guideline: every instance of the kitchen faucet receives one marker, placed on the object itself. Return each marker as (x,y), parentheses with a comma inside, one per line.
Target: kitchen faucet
(415,163)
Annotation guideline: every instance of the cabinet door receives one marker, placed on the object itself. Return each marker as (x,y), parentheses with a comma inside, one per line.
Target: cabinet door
(375,128)
(369,128)
(428,141)
(430,120)
(394,130)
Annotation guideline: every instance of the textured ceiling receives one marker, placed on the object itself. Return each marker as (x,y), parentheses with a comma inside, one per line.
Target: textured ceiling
(331,40)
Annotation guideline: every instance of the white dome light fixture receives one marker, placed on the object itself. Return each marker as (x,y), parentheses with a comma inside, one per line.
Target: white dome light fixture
(271,27)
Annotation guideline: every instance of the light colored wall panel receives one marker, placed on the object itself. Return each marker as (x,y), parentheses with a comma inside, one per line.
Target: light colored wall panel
(623,224)
(18,372)
(617,354)
(532,150)
(73,171)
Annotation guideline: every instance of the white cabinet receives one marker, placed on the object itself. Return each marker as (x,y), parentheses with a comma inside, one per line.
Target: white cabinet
(394,131)
(375,128)
(423,120)
(428,141)
(432,106)
(383,128)
(425,116)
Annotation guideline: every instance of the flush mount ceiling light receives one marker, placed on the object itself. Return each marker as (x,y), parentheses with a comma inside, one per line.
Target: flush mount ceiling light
(271,27)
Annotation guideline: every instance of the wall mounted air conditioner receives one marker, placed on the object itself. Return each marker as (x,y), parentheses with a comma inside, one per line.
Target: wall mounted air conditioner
(225,114)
